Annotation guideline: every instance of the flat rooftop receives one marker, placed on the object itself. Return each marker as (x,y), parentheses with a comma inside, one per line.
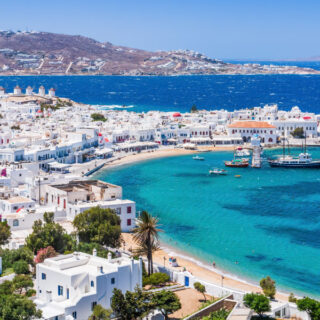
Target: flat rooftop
(84,184)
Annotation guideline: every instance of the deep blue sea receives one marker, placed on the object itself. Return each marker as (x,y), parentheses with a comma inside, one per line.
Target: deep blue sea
(179,93)
(268,221)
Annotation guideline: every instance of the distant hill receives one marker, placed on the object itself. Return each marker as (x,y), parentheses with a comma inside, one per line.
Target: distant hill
(50,53)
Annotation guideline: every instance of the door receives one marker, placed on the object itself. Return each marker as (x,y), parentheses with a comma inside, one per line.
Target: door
(186,281)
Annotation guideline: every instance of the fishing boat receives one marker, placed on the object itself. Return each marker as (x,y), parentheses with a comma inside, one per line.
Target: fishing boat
(303,160)
(237,163)
(198,158)
(218,172)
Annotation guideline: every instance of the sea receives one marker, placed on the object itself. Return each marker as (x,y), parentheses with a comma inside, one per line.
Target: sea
(179,93)
(265,223)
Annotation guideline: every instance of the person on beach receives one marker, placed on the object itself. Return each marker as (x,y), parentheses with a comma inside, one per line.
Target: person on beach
(213,264)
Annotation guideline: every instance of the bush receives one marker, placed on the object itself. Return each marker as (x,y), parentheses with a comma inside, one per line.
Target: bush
(9,257)
(21,267)
(292,298)
(221,314)
(98,117)
(45,253)
(156,279)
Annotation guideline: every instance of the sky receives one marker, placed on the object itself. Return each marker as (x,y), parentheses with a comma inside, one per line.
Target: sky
(224,29)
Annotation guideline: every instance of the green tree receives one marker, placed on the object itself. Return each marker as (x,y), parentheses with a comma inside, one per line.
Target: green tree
(9,257)
(257,302)
(5,233)
(298,133)
(18,307)
(21,267)
(292,298)
(100,313)
(22,282)
(98,225)
(166,302)
(98,117)
(47,234)
(132,305)
(194,109)
(200,288)
(14,306)
(146,235)
(311,306)
(268,286)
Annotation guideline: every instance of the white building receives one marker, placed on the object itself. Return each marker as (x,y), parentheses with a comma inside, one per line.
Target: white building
(69,286)
(246,129)
(52,92)
(2,91)
(80,195)
(17,90)
(42,91)
(29,91)
(286,127)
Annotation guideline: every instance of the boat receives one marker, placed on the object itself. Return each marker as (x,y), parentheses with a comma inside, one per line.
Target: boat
(237,163)
(237,176)
(303,160)
(218,172)
(242,152)
(198,158)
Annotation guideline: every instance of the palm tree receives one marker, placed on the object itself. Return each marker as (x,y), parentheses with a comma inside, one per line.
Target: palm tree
(146,235)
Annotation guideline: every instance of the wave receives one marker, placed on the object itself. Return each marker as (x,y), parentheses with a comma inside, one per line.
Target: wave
(114,106)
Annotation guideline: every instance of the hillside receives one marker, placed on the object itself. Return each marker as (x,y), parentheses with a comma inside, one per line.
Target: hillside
(49,53)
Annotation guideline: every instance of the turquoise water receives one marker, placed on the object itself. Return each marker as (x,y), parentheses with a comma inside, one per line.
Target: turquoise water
(265,223)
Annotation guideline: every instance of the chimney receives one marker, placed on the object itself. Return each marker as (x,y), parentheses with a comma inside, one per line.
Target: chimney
(109,257)
(49,296)
(94,252)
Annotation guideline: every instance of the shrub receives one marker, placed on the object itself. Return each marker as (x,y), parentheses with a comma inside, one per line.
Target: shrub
(98,117)
(292,298)
(45,253)
(21,267)
(156,279)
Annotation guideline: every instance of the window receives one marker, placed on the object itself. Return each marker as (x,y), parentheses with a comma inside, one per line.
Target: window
(74,314)
(113,280)
(43,276)
(128,222)
(15,223)
(60,290)
(128,209)
(93,304)
(68,294)
(92,283)
(118,210)
(56,318)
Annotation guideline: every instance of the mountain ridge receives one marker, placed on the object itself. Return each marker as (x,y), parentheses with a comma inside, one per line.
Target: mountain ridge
(45,53)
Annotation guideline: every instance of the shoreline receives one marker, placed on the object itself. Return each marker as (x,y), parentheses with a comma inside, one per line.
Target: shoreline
(158,154)
(202,270)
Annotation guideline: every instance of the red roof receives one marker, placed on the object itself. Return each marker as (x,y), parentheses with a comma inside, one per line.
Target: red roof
(106,139)
(100,134)
(19,210)
(251,124)
(176,114)
(306,118)
(39,111)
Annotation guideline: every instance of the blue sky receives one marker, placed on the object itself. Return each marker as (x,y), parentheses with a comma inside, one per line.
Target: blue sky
(245,29)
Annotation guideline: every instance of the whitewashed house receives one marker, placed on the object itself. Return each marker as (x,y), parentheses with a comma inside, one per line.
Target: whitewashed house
(69,286)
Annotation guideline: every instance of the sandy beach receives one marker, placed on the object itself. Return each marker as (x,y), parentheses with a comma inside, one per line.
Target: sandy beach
(162,153)
(208,274)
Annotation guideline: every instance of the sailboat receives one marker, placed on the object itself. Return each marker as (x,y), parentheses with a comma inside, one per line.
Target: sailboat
(304,160)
